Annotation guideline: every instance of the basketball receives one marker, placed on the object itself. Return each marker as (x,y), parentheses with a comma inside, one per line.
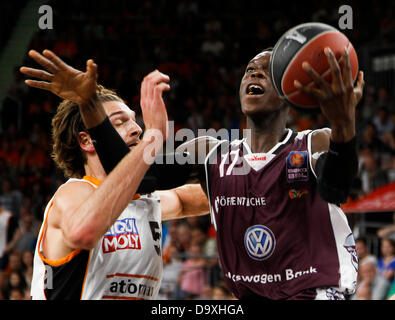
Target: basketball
(306,42)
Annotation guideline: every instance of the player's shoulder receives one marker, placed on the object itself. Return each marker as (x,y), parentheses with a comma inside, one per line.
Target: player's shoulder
(71,194)
(73,187)
(320,140)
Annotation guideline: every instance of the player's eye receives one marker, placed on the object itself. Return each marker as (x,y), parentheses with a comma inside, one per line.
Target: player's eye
(118,122)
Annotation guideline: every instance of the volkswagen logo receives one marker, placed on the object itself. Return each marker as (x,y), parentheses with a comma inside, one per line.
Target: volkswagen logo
(259,242)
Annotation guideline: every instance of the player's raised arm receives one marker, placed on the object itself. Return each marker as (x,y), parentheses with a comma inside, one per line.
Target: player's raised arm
(185,201)
(105,204)
(337,99)
(79,87)
(338,164)
(88,221)
(66,82)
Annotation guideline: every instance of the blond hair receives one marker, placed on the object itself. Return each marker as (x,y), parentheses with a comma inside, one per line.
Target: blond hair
(66,127)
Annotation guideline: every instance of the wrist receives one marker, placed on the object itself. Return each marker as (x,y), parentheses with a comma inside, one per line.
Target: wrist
(152,142)
(342,132)
(92,112)
(343,147)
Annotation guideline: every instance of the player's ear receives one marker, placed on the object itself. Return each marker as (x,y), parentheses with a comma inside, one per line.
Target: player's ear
(85,142)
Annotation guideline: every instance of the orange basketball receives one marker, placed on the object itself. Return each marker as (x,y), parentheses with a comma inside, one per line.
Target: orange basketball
(306,42)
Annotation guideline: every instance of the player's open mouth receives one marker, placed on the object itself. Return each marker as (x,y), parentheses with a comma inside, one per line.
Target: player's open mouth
(255,89)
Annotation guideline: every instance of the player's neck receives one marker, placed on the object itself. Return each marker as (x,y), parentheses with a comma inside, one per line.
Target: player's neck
(266,132)
(94,169)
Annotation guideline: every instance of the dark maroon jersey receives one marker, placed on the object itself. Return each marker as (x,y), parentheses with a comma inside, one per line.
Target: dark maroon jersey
(277,238)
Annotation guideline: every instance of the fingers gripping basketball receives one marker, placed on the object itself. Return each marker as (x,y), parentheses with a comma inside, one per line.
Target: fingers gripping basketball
(306,42)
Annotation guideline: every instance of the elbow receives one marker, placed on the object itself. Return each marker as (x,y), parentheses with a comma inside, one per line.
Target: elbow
(81,238)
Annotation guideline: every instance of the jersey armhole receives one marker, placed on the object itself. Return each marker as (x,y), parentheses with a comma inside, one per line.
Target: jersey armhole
(73,253)
(206,167)
(40,251)
(309,136)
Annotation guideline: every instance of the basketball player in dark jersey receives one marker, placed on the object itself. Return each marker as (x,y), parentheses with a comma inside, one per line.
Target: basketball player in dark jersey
(275,197)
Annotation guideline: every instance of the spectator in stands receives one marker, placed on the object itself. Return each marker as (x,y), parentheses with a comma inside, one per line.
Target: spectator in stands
(9,152)
(221,292)
(371,142)
(25,235)
(16,280)
(17,294)
(363,252)
(383,122)
(14,263)
(32,156)
(171,270)
(183,237)
(384,100)
(195,119)
(209,252)
(386,264)
(27,262)
(212,45)
(388,231)
(371,280)
(364,292)
(186,8)
(193,274)
(170,238)
(372,176)
(10,198)
(368,105)
(66,46)
(27,232)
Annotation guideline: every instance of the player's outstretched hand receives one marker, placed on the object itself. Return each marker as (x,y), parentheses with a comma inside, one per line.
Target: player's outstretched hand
(339,98)
(152,104)
(62,79)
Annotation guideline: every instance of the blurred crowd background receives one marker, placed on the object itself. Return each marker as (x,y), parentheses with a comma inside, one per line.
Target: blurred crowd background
(204,47)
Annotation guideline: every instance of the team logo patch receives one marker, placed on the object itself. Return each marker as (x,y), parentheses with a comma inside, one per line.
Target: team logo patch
(297,166)
(296,194)
(259,242)
(123,234)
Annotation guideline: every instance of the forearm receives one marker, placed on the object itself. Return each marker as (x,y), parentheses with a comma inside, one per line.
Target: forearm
(343,132)
(184,201)
(92,112)
(336,170)
(194,200)
(95,216)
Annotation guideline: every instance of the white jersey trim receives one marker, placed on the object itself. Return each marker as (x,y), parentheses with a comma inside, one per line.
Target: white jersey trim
(207,180)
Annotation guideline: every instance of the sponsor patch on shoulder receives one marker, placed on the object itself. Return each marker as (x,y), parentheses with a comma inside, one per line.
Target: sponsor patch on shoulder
(297,166)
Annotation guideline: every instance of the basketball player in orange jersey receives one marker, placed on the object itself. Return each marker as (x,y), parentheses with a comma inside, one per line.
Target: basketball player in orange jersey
(95,241)
(274,198)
